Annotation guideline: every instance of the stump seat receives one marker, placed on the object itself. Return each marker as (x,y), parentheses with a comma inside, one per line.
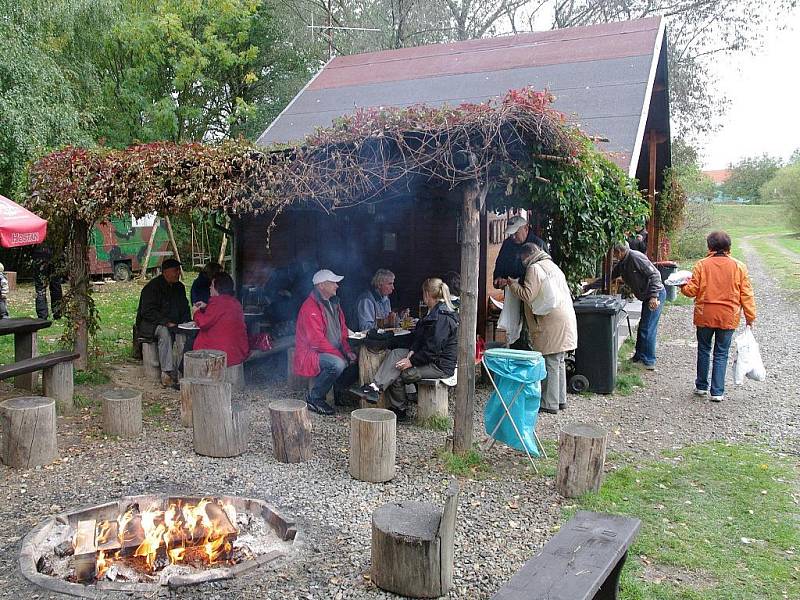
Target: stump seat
(412,546)
(291,431)
(57,375)
(150,363)
(373,444)
(432,399)
(28,425)
(220,427)
(122,412)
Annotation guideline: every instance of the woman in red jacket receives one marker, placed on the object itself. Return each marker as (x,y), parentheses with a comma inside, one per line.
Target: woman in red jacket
(221,322)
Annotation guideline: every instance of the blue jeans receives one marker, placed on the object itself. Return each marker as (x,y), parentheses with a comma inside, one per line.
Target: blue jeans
(722,343)
(330,368)
(648,330)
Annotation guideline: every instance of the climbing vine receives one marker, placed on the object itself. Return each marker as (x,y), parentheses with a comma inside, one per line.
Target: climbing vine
(671,204)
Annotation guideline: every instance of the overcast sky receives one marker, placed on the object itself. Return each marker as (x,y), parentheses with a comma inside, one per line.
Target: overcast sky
(764,89)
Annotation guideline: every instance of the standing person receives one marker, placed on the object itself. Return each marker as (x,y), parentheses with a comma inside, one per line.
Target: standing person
(508,264)
(433,353)
(201,287)
(721,288)
(45,276)
(221,321)
(552,325)
(375,304)
(162,306)
(3,293)
(321,348)
(643,278)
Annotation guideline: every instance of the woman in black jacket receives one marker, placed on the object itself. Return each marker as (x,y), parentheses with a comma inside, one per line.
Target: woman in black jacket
(433,354)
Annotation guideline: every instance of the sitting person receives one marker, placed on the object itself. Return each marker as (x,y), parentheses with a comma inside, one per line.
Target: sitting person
(162,305)
(433,353)
(221,322)
(321,348)
(374,304)
(201,288)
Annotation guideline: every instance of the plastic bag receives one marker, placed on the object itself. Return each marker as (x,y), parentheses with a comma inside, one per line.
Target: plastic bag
(748,359)
(678,278)
(260,341)
(511,316)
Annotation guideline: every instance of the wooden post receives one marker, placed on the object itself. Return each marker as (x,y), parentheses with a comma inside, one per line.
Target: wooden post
(235,376)
(122,412)
(186,394)
(219,428)
(373,444)
(58,384)
(26,345)
(28,425)
(652,242)
(150,363)
(291,431)
(205,364)
(172,239)
(581,456)
(148,252)
(79,284)
(473,198)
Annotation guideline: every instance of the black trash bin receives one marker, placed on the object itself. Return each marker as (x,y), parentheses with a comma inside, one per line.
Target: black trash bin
(667,268)
(596,354)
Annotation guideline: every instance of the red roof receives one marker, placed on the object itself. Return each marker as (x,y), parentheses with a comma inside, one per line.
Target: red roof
(719,176)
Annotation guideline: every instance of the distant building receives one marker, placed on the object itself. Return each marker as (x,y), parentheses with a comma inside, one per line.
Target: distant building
(719,177)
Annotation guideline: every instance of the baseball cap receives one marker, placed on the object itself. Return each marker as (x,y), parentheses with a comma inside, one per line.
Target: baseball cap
(514,224)
(326,275)
(170,263)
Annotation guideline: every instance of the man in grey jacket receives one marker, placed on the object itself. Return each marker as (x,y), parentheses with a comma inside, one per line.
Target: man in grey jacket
(643,278)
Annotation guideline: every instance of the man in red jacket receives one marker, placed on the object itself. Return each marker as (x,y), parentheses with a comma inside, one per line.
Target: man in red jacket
(321,348)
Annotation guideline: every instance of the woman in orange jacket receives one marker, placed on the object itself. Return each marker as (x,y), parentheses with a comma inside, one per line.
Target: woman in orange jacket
(721,290)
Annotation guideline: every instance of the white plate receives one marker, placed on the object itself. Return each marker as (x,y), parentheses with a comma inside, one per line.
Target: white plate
(188,325)
(357,335)
(402,332)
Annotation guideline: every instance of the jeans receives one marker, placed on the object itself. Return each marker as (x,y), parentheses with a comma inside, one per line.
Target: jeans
(554,386)
(722,344)
(330,368)
(648,331)
(166,358)
(42,280)
(393,381)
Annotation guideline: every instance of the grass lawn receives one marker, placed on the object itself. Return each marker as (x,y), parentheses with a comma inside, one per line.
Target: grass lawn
(719,521)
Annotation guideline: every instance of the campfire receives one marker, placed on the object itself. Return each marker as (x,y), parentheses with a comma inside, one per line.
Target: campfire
(149,540)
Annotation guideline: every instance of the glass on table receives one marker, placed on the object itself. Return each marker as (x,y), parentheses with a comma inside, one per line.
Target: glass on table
(423,309)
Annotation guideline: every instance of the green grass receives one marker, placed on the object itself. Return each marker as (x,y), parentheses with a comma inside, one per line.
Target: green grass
(471,464)
(628,374)
(437,423)
(790,241)
(92,376)
(719,521)
(780,266)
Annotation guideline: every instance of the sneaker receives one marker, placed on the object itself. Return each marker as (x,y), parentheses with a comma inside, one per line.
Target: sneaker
(319,406)
(651,367)
(700,393)
(562,406)
(369,392)
(166,379)
(717,398)
(550,411)
(634,359)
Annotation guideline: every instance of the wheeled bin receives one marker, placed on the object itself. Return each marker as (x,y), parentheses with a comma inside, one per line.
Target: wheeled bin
(667,268)
(596,354)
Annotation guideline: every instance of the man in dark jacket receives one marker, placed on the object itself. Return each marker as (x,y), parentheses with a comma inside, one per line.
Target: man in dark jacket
(46,276)
(162,306)
(508,264)
(643,278)
(201,288)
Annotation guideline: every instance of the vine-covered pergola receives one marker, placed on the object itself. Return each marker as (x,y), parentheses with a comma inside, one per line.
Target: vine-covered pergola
(513,151)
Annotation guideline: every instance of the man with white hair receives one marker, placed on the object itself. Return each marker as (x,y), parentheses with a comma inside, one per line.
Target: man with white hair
(321,348)
(375,304)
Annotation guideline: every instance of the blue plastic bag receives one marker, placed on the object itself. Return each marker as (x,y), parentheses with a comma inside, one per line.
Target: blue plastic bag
(510,370)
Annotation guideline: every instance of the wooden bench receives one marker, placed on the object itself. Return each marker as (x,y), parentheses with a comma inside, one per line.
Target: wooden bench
(57,375)
(582,562)
(279,346)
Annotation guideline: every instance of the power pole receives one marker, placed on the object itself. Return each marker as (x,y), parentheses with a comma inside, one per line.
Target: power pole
(329,28)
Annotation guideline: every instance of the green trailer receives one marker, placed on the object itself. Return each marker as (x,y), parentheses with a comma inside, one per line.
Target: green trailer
(117,246)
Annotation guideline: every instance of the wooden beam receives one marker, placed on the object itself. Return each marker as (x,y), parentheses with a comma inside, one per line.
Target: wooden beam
(652,241)
(172,239)
(473,197)
(146,263)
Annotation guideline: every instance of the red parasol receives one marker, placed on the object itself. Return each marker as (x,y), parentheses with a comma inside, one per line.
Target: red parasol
(19,226)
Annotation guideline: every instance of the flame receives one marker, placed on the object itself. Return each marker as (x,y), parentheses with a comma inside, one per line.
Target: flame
(206,526)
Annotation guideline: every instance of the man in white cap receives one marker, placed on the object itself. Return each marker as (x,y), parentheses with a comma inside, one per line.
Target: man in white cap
(321,348)
(508,264)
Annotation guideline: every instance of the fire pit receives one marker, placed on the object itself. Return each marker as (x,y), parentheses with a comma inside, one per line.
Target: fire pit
(142,543)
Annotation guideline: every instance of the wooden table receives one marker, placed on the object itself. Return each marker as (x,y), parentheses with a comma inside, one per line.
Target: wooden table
(25,344)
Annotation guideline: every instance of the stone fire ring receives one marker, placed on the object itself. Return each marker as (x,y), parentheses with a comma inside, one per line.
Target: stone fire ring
(32,550)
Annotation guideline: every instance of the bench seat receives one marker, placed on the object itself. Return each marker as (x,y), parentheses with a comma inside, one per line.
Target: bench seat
(281,344)
(37,363)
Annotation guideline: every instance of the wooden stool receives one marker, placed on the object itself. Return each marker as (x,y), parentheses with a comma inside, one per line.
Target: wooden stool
(150,363)
(205,364)
(29,431)
(295,382)
(373,444)
(291,431)
(368,363)
(432,397)
(412,547)
(220,429)
(235,376)
(581,457)
(122,412)
(186,399)
(58,384)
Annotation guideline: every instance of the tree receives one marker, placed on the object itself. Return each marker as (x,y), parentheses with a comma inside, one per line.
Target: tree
(784,188)
(749,175)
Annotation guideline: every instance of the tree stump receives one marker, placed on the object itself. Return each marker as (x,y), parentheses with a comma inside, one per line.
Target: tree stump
(150,363)
(235,376)
(205,364)
(295,382)
(58,384)
(291,431)
(28,425)
(412,547)
(186,399)
(368,363)
(220,429)
(373,444)
(581,456)
(122,412)
(432,397)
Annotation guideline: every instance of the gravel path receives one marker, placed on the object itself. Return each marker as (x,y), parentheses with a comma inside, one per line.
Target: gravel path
(505,514)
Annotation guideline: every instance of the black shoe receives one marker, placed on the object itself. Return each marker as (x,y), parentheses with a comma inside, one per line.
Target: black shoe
(412,397)
(550,411)
(368,393)
(319,406)
(402,415)
(562,406)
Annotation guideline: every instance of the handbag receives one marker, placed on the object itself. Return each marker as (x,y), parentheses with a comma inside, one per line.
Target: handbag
(260,341)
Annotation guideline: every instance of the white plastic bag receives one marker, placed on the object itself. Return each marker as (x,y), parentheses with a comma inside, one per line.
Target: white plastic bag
(748,359)
(678,278)
(511,316)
